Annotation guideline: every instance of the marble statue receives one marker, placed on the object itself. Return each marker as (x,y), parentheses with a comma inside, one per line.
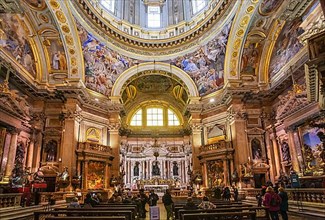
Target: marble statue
(155,169)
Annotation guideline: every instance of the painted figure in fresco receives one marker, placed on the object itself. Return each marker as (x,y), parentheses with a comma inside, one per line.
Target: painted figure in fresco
(62,61)
(50,149)
(136,169)
(155,169)
(175,169)
(55,61)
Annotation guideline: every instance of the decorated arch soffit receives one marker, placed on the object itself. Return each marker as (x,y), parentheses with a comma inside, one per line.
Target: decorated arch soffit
(71,42)
(154,68)
(238,34)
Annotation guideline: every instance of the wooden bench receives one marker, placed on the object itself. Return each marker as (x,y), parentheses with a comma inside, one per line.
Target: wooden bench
(87,218)
(177,208)
(261,212)
(133,209)
(82,213)
(221,216)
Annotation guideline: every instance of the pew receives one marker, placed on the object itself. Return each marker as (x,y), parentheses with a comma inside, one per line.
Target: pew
(133,209)
(219,206)
(261,212)
(82,213)
(221,216)
(87,218)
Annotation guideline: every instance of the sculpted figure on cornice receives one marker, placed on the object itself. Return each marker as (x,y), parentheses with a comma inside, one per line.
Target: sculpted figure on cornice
(14,40)
(103,65)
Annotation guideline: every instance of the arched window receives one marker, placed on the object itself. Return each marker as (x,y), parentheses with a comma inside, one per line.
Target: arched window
(151,116)
(154,17)
(108,5)
(198,5)
(137,118)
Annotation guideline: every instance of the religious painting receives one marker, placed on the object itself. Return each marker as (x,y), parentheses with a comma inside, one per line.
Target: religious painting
(215,133)
(313,138)
(249,61)
(206,65)
(286,46)
(215,173)
(285,152)
(93,135)
(36,4)
(103,65)
(55,50)
(50,149)
(96,173)
(268,6)
(13,32)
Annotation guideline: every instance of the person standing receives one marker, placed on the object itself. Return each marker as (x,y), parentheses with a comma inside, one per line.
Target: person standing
(143,200)
(153,198)
(168,203)
(284,203)
(272,202)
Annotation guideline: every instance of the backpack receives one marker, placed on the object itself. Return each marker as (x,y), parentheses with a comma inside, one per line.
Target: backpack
(275,201)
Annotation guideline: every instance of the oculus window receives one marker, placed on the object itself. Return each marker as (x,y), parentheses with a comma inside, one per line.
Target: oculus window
(154,17)
(108,5)
(198,5)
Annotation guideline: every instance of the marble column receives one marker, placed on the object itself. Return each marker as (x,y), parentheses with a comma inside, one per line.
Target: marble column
(196,144)
(277,157)
(115,145)
(106,177)
(205,174)
(85,170)
(11,155)
(37,151)
(30,152)
(293,152)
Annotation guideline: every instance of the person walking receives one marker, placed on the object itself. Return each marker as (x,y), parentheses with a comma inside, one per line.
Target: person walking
(284,203)
(272,202)
(168,203)
(235,193)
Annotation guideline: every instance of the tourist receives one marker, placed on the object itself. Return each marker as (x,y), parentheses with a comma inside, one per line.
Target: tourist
(284,203)
(190,205)
(235,193)
(89,201)
(226,194)
(272,202)
(168,203)
(153,198)
(259,199)
(206,204)
(143,200)
(74,203)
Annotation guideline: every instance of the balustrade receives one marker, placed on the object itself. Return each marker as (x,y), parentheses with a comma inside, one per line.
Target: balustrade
(10,200)
(94,147)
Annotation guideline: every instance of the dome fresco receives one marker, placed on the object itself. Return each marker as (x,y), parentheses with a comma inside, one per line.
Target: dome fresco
(103,65)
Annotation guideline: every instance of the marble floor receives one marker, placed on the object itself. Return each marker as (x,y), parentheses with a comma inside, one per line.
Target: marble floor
(292,216)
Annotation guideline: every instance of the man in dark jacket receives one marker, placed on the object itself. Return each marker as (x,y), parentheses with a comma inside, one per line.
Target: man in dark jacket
(153,198)
(168,203)
(143,201)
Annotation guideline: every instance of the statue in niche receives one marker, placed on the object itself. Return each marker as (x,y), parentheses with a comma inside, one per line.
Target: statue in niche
(256,149)
(175,169)
(285,152)
(155,169)
(38,176)
(136,169)
(50,149)
(20,153)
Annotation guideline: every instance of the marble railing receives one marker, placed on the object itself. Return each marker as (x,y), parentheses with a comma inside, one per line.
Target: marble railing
(10,200)
(94,147)
(303,194)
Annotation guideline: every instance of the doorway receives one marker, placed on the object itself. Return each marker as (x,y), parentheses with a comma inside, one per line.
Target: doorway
(259,179)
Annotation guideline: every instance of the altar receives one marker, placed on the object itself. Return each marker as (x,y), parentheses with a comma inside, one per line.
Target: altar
(159,189)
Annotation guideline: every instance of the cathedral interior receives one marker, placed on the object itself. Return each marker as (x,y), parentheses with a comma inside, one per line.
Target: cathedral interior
(187,95)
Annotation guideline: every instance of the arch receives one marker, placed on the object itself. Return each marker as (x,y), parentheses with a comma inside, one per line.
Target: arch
(155,67)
